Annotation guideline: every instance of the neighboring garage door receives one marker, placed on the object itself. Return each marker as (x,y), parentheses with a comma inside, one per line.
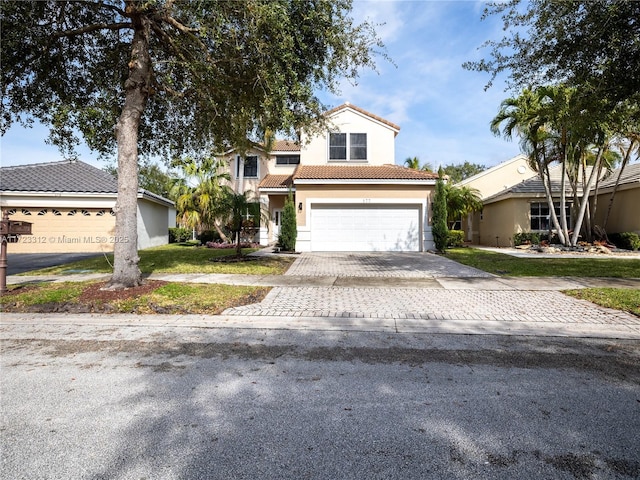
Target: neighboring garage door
(366,228)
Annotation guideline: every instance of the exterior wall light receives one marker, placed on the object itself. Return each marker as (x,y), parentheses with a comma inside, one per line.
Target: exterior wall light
(300,207)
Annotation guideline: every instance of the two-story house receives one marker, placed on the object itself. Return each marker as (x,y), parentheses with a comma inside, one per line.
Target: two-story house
(349,194)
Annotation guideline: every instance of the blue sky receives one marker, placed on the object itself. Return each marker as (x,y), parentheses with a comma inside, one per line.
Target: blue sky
(442,109)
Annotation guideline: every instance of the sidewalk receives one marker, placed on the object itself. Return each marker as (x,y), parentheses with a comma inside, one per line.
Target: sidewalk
(447,283)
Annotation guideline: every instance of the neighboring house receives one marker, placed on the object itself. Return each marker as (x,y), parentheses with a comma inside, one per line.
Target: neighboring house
(521,206)
(489,183)
(70,204)
(348,192)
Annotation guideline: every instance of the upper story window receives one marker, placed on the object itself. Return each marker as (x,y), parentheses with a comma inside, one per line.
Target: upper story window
(287,159)
(250,167)
(348,147)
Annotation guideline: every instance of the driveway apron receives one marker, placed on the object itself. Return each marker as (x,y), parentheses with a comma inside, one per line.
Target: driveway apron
(393,296)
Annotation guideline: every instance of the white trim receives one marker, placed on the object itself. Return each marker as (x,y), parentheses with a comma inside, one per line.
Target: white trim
(282,190)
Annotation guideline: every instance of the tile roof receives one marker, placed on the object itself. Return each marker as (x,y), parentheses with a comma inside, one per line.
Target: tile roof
(276,181)
(362,111)
(66,176)
(630,174)
(285,146)
(534,185)
(360,172)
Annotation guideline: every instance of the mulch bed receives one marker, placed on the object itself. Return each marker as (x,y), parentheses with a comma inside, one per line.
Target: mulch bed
(94,294)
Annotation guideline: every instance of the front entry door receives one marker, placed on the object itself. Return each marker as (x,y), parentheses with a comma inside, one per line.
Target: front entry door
(277,220)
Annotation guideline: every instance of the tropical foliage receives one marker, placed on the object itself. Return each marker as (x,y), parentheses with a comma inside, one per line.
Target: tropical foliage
(461,201)
(414,163)
(555,127)
(242,211)
(573,66)
(199,194)
(586,44)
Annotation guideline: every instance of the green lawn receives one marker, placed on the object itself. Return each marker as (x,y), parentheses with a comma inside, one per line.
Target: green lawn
(166,298)
(178,258)
(625,299)
(510,266)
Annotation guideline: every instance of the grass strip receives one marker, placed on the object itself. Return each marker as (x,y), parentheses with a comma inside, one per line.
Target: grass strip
(508,265)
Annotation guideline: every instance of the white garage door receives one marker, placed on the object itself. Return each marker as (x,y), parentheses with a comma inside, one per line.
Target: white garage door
(366,228)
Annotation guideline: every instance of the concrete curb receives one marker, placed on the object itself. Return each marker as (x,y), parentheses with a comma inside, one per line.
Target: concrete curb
(302,323)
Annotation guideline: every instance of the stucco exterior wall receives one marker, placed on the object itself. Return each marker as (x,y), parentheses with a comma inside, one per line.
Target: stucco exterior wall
(503,219)
(153,224)
(239,183)
(500,177)
(625,213)
(380,140)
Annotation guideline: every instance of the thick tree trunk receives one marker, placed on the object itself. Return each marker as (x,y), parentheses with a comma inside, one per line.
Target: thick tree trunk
(126,273)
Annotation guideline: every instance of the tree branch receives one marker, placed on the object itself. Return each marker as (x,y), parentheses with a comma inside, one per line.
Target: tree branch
(93,28)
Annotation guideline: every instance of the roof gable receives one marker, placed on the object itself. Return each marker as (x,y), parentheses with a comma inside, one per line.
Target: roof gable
(362,111)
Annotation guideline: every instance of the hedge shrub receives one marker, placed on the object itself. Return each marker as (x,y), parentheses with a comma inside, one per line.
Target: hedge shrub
(526,238)
(179,235)
(455,238)
(626,240)
(209,236)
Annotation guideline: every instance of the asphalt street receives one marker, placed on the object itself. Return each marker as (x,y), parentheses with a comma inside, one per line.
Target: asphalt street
(150,402)
(354,366)
(25,262)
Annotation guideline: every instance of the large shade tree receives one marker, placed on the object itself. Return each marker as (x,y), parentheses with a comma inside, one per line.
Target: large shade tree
(170,77)
(594,45)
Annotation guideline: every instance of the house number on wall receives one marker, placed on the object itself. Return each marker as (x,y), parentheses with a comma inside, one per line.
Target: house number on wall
(366,200)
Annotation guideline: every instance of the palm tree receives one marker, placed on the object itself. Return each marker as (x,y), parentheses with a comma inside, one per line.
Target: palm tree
(239,209)
(414,163)
(554,125)
(199,196)
(461,201)
(525,116)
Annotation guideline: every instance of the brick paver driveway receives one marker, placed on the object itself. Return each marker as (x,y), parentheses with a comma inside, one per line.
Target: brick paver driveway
(350,298)
(392,264)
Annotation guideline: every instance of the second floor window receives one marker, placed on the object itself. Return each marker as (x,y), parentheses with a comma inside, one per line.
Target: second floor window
(250,167)
(287,159)
(348,147)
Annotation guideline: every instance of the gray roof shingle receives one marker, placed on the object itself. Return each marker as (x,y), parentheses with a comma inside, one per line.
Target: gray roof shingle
(66,176)
(631,174)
